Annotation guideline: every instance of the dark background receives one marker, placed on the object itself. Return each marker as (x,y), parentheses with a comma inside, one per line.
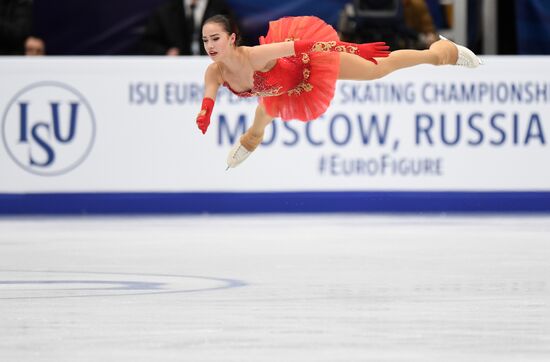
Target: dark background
(106,27)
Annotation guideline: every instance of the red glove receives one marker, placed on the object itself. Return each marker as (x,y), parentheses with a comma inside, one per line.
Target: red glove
(367,51)
(203,119)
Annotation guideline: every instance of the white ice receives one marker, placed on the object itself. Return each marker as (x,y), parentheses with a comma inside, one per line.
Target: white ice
(275,288)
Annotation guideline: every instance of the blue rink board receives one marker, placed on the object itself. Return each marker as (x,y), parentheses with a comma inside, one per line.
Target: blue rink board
(273,202)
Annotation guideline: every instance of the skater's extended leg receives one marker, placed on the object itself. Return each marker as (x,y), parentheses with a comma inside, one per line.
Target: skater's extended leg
(355,68)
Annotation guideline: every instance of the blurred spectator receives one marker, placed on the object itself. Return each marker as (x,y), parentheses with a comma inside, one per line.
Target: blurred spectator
(15,25)
(15,29)
(418,18)
(175,27)
(34,46)
(400,23)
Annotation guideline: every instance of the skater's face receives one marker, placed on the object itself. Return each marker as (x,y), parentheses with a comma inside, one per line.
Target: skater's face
(216,40)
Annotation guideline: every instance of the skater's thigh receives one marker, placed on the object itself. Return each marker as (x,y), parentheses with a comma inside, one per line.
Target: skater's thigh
(353,67)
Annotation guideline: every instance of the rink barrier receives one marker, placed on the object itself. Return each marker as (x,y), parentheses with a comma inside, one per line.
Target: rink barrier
(123,139)
(273,202)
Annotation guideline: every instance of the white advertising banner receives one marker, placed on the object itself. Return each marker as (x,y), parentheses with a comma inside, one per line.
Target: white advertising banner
(127,124)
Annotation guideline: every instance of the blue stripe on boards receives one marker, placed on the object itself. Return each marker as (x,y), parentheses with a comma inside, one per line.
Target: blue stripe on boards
(272,202)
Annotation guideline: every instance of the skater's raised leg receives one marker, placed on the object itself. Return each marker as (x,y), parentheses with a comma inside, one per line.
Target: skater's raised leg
(441,52)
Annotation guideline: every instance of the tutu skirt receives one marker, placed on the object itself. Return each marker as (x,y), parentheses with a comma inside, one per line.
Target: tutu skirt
(313,75)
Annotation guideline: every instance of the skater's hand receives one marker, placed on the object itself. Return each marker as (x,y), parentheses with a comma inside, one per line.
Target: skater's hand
(203,118)
(203,122)
(369,51)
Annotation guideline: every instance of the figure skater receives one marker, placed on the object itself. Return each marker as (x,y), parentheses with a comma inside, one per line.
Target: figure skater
(294,70)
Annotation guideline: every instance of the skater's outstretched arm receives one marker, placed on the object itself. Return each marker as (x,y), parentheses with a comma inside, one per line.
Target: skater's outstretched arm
(212,81)
(367,51)
(261,55)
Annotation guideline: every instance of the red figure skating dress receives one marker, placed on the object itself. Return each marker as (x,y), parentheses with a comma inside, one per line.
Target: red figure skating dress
(302,86)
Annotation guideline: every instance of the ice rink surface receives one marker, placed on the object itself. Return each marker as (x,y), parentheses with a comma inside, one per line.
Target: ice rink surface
(275,288)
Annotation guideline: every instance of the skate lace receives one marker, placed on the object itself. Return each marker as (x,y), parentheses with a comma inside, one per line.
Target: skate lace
(467,59)
(240,153)
(463,61)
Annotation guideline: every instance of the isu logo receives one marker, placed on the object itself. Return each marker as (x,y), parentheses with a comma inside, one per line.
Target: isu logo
(48,128)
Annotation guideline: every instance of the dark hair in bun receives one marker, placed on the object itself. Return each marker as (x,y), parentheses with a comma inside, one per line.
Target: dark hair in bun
(227,24)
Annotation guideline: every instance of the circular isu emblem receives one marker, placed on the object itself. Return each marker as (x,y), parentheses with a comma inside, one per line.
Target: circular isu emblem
(48,128)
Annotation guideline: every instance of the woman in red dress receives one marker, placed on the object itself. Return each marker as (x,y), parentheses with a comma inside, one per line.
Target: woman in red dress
(294,70)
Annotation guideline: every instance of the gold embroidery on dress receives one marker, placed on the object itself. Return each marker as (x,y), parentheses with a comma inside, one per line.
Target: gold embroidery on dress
(323,46)
(274,91)
(326,46)
(202,112)
(302,87)
(347,49)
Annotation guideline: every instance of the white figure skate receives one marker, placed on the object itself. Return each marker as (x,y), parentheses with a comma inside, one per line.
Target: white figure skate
(466,57)
(237,155)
